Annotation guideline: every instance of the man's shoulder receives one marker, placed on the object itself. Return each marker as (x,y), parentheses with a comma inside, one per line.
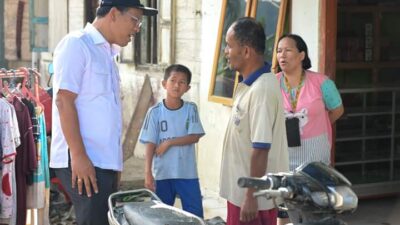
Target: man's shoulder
(71,40)
(266,81)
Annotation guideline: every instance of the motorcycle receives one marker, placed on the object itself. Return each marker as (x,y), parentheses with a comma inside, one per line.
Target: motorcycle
(143,207)
(314,194)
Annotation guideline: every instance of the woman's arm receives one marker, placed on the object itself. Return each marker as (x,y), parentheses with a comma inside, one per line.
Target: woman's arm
(336,113)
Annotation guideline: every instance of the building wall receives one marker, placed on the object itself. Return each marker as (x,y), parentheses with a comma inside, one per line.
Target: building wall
(214,116)
(10,31)
(76,15)
(2,60)
(305,22)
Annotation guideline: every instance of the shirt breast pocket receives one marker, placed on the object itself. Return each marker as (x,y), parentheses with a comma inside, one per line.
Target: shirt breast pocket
(239,118)
(100,79)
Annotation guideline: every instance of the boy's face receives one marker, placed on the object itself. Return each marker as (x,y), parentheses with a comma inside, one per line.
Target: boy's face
(176,85)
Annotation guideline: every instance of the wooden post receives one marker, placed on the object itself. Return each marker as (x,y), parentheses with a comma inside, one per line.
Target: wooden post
(327,49)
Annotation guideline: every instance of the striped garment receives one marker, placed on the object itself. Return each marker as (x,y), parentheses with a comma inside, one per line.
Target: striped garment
(312,149)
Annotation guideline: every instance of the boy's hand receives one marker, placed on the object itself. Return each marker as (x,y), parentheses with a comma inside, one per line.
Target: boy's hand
(149,182)
(162,148)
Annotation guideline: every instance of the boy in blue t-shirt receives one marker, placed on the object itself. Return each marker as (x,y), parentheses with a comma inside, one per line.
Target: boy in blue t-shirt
(170,131)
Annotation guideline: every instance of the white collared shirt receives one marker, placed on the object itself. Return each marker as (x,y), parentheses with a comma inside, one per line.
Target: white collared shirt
(84,63)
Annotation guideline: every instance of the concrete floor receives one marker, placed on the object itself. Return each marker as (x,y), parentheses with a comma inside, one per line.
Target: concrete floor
(384,211)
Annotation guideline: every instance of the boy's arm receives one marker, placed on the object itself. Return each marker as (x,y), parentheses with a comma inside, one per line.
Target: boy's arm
(148,175)
(179,141)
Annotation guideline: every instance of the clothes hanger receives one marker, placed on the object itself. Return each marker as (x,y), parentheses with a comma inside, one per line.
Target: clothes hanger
(28,92)
(4,84)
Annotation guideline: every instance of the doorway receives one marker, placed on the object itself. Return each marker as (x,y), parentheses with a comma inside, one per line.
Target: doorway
(368,76)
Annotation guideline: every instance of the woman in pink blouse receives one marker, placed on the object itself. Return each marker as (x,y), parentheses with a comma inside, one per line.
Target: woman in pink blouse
(312,104)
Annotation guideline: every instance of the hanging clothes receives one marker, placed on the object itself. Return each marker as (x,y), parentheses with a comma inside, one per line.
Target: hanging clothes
(9,140)
(38,195)
(41,178)
(26,161)
(24,167)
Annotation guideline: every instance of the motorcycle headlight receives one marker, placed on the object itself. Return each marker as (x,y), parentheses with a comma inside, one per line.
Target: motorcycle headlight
(322,198)
(345,198)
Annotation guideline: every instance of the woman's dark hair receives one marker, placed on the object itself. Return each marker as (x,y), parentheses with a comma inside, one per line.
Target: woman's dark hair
(250,32)
(104,10)
(301,46)
(178,68)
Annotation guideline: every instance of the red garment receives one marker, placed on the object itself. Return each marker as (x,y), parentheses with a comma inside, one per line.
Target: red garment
(25,162)
(46,100)
(5,185)
(265,217)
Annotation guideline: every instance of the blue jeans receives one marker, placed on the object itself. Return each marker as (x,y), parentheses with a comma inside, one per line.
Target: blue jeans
(188,191)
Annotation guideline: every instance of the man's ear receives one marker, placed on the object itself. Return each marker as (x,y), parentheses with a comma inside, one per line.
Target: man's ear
(113,13)
(188,88)
(164,83)
(247,51)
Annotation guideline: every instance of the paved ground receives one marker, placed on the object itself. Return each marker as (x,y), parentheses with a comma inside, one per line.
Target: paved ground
(384,211)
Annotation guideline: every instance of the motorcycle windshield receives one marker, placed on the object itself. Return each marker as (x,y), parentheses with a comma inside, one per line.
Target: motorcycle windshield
(323,173)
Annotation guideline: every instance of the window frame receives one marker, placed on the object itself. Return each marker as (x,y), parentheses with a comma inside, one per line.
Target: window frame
(163,25)
(251,9)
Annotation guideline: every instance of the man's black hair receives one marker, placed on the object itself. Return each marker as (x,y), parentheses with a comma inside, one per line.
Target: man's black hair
(178,68)
(301,46)
(248,31)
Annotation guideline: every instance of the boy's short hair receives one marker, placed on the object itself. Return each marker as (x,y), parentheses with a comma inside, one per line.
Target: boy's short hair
(178,68)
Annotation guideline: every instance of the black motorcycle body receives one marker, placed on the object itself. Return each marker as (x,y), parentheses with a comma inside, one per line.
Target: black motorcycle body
(314,194)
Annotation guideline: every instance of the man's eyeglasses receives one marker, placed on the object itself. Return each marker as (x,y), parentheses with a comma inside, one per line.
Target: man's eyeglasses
(136,20)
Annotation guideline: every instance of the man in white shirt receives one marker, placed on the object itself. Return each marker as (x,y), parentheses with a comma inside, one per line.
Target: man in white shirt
(86,150)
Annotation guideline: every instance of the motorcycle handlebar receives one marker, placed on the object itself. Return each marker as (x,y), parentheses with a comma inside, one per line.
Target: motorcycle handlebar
(266,182)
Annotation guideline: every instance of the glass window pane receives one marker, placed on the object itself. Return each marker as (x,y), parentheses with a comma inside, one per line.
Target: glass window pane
(348,151)
(267,13)
(377,149)
(353,78)
(390,45)
(377,172)
(352,172)
(225,77)
(396,172)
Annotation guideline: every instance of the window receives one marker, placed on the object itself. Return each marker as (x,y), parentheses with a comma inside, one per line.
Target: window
(90,10)
(270,13)
(147,39)
(152,45)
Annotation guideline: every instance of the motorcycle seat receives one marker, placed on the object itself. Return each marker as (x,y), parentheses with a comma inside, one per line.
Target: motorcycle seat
(157,213)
